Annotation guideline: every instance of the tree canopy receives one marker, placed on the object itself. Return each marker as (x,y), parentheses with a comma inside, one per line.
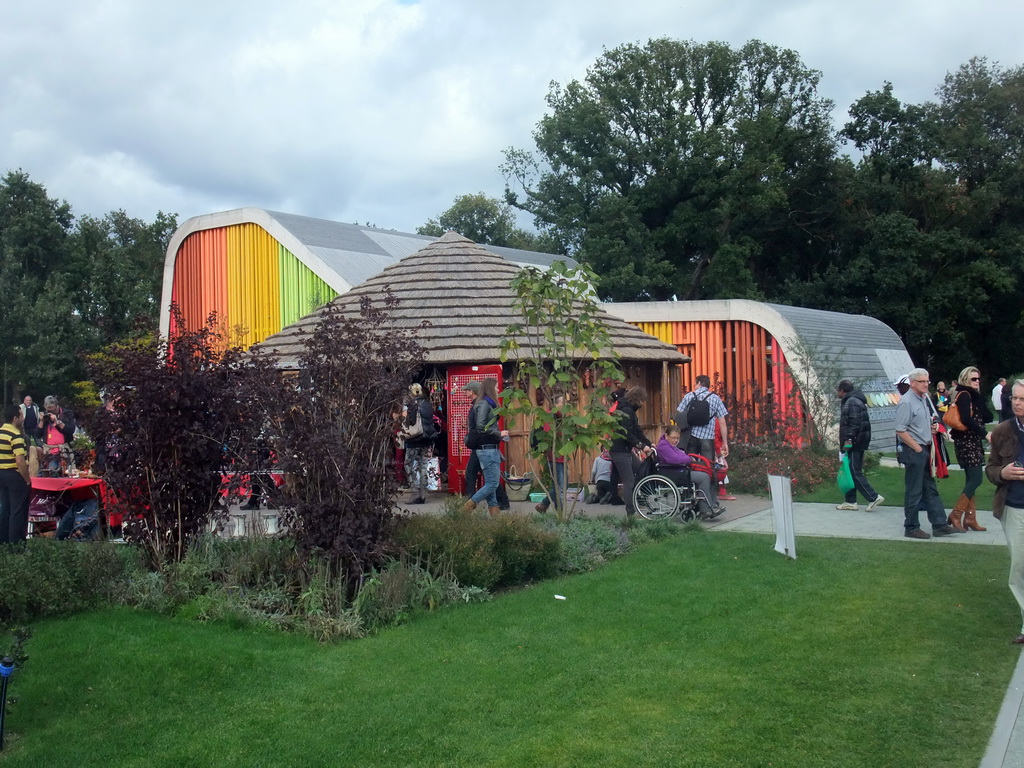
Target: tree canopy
(71,286)
(681,169)
(487,221)
(691,170)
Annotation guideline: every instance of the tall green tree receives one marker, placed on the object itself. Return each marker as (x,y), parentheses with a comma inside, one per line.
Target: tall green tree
(932,238)
(684,169)
(487,221)
(71,287)
(119,261)
(39,330)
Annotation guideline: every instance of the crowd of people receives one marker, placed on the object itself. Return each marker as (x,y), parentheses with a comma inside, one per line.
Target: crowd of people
(627,453)
(923,419)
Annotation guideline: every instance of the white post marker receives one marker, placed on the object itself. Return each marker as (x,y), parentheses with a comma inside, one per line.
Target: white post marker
(782,514)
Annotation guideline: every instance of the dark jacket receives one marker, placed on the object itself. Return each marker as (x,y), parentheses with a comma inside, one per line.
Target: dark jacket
(634,436)
(854,423)
(1005,447)
(974,412)
(67,418)
(426,411)
(485,420)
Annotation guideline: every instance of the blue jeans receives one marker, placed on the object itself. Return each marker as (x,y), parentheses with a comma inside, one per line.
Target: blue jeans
(557,470)
(920,490)
(490,465)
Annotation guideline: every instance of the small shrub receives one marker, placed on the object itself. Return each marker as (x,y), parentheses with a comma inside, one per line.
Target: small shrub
(655,530)
(477,551)
(750,465)
(400,590)
(50,578)
(588,543)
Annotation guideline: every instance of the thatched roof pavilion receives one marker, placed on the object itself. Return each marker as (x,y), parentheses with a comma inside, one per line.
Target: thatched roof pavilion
(463,290)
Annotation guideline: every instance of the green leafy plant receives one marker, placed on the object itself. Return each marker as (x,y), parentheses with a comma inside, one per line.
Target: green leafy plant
(562,350)
(490,553)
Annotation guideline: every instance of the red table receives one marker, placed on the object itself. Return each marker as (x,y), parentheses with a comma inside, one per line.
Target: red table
(79,487)
(76,488)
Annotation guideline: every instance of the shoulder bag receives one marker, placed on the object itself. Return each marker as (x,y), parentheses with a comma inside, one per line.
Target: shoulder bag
(415,429)
(951,418)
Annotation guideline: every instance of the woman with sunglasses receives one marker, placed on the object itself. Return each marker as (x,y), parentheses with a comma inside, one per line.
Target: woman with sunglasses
(969,443)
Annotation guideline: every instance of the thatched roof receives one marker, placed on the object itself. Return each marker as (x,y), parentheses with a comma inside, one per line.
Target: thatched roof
(463,290)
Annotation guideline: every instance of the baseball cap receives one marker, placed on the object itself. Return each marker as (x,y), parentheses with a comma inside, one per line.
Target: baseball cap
(473,386)
(904,379)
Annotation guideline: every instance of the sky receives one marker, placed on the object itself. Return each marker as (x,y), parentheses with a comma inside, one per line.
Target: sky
(382,112)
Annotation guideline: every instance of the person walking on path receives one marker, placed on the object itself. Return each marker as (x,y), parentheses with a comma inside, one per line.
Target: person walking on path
(970,445)
(485,440)
(915,426)
(1005,470)
(855,437)
(473,463)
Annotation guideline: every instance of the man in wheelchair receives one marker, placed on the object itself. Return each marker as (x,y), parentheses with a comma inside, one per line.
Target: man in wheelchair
(693,486)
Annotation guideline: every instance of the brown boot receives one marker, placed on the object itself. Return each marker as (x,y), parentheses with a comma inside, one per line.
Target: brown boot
(971,518)
(955,518)
(492,511)
(469,506)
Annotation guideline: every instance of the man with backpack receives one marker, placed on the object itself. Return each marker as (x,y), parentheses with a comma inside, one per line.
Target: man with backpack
(698,413)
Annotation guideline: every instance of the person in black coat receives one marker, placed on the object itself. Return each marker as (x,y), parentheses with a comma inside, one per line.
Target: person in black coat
(855,437)
(972,407)
(418,448)
(625,461)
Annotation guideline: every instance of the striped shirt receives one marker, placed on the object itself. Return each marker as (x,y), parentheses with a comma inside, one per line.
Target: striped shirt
(12,445)
(715,405)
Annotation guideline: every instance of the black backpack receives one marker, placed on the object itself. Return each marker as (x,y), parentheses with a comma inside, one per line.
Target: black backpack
(698,412)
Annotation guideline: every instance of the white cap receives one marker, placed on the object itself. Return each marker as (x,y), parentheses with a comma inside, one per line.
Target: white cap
(904,379)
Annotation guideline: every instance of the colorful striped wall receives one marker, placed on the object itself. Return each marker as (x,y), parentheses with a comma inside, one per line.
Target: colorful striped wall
(254,284)
(739,356)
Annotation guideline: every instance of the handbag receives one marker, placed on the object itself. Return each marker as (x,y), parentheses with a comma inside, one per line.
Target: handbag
(951,418)
(844,478)
(414,430)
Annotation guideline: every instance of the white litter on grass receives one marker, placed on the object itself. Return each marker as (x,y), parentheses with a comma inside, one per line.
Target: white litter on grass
(559,597)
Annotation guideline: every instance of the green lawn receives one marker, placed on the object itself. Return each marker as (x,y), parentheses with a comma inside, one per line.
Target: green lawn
(705,650)
(888,481)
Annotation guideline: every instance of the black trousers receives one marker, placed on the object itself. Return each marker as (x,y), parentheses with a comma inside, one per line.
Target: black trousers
(626,464)
(14,496)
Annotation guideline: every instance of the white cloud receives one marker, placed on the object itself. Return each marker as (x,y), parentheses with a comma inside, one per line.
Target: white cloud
(383,111)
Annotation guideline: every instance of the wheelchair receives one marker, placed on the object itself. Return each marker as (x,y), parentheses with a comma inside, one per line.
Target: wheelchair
(664,495)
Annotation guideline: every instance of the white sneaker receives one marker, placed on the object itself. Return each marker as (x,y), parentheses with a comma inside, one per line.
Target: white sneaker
(850,507)
(878,500)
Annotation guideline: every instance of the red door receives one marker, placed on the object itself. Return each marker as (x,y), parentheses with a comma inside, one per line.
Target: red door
(458,406)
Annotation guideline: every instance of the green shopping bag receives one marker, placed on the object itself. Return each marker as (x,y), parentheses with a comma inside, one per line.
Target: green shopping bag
(844,479)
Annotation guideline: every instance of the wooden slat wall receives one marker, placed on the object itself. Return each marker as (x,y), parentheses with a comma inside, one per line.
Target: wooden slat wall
(733,353)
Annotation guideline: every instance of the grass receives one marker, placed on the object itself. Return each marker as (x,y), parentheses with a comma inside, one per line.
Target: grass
(888,481)
(707,649)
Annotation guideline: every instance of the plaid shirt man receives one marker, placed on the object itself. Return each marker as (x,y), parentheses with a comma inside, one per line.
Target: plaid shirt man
(706,432)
